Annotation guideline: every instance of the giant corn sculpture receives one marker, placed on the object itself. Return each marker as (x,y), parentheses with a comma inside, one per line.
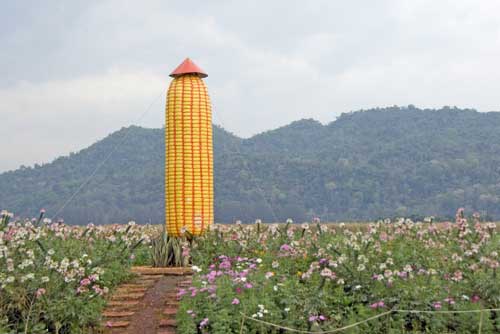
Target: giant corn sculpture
(189,192)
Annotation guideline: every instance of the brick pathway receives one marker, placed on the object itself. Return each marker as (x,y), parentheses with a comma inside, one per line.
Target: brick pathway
(147,305)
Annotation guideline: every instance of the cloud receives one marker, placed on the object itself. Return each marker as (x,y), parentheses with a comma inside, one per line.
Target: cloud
(54,118)
(73,72)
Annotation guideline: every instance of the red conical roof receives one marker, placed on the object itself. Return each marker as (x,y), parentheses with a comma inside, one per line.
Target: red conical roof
(188,67)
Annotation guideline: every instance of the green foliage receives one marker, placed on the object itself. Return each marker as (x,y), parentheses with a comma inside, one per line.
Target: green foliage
(324,277)
(54,278)
(167,251)
(368,164)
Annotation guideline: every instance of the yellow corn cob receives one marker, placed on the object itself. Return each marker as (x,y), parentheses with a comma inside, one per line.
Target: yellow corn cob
(189,193)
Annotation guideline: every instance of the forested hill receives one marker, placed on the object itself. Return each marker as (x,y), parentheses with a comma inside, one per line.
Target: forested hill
(364,165)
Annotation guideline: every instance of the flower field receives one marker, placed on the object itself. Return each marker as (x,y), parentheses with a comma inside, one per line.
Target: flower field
(54,278)
(320,277)
(260,278)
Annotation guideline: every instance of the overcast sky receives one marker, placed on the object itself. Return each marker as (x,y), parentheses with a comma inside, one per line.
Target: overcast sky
(71,72)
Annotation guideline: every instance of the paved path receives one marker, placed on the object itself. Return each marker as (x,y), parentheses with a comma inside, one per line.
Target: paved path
(146,305)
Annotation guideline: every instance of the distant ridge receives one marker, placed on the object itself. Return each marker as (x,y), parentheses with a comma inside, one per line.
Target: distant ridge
(397,161)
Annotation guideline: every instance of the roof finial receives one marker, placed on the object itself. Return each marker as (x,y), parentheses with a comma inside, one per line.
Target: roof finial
(188,67)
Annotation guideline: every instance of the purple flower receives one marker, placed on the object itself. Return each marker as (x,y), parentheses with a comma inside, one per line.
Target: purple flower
(285,248)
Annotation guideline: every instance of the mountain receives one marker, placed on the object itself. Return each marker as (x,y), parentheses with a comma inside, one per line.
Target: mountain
(384,162)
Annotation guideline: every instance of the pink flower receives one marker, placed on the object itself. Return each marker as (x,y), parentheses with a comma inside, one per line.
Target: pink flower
(204,323)
(475,299)
(457,276)
(40,292)
(449,300)
(403,274)
(436,305)
(377,305)
(320,317)
(98,290)
(181,292)
(85,282)
(235,301)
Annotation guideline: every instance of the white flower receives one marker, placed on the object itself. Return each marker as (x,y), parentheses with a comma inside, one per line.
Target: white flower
(196,269)
(259,260)
(287,309)
(10,265)
(305,226)
(27,277)
(326,272)
(45,279)
(30,253)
